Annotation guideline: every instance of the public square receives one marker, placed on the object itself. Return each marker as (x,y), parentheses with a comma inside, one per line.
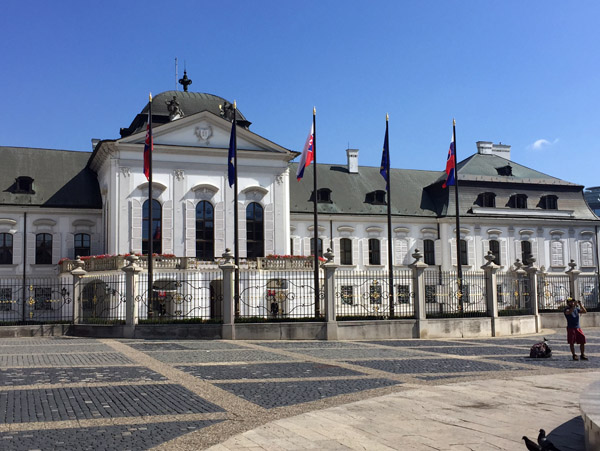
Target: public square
(459,394)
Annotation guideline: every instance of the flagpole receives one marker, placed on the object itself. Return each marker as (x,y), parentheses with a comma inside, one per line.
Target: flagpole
(315,218)
(236,232)
(150,218)
(389,220)
(459,280)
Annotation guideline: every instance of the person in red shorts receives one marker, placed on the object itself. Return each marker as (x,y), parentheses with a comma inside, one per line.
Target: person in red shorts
(574,332)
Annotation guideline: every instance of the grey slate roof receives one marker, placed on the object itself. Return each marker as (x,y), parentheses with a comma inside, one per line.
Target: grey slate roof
(409,198)
(482,167)
(61,178)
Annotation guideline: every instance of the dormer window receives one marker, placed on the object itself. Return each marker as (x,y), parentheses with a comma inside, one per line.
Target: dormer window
(24,185)
(376,198)
(486,200)
(549,202)
(518,201)
(323,196)
(505,170)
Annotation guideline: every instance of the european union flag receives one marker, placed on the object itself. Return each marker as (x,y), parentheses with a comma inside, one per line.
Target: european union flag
(232,151)
(385,159)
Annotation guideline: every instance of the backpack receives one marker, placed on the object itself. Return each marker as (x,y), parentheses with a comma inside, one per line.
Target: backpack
(540,350)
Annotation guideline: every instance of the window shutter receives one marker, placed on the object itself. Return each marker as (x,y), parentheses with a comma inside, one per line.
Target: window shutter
(486,247)
(17,248)
(384,251)
(556,253)
(297,246)
(56,247)
(136,226)
(219,229)
(167,227)
(336,251)
(518,252)
(70,237)
(269,230)
(365,250)
(190,229)
(31,248)
(504,253)
(242,230)
(437,248)
(471,252)
(420,244)
(307,246)
(453,251)
(587,255)
(534,251)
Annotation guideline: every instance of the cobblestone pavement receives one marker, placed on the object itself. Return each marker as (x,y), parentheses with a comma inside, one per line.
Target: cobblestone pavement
(454,394)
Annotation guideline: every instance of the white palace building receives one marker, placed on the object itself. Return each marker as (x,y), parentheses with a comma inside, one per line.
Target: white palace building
(58,204)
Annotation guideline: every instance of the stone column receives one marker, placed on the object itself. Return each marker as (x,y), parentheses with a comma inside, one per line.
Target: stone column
(228,268)
(573,278)
(131,270)
(533,292)
(491,288)
(78,274)
(330,314)
(418,268)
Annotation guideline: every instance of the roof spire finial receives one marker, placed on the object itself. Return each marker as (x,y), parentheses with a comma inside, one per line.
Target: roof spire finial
(185,81)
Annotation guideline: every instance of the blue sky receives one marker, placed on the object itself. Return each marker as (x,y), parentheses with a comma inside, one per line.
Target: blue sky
(524,73)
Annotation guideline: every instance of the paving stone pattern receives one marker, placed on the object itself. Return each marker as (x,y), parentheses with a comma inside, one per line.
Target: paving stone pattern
(278,394)
(35,376)
(268,371)
(105,438)
(99,402)
(145,393)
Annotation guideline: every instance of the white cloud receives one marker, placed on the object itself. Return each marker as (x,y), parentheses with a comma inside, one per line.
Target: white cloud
(542,144)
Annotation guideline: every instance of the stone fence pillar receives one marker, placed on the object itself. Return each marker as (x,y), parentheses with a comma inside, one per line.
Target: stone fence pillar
(533,292)
(330,314)
(228,268)
(77,274)
(573,280)
(131,270)
(491,287)
(418,268)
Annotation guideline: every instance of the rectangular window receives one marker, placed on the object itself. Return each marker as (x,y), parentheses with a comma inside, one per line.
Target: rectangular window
(347,294)
(43,249)
(42,297)
(403,295)
(464,254)
(346,251)
(374,251)
(495,250)
(375,294)
(82,245)
(6,249)
(429,252)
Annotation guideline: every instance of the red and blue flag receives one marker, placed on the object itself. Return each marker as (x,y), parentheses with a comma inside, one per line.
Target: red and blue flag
(307,154)
(451,166)
(149,144)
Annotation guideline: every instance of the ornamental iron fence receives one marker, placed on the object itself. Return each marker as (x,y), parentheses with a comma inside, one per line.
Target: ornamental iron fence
(103,299)
(513,292)
(553,291)
(588,291)
(444,299)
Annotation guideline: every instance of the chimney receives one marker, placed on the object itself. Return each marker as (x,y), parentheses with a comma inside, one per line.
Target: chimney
(488,148)
(352,160)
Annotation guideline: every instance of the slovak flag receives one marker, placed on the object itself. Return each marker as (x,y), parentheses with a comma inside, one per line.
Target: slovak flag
(307,154)
(451,165)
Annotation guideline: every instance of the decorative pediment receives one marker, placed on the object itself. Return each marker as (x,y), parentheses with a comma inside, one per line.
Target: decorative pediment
(254,192)
(157,187)
(205,189)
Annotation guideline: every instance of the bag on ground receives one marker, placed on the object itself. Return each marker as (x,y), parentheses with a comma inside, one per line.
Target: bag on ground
(540,350)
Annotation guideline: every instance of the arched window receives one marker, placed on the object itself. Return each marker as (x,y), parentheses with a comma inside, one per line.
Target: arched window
(429,252)
(6,248)
(495,249)
(156,232)
(374,251)
(205,231)
(43,249)
(464,253)
(345,251)
(82,245)
(255,234)
(526,252)
(319,247)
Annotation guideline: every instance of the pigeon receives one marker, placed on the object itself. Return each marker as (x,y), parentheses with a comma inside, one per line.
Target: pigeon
(545,444)
(531,445)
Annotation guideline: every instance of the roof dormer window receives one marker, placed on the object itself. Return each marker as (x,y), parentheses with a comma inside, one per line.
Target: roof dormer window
(486,200)
(518,201)
(24,185)
(376,198)
(505,170)
(549,202)
(323,196)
